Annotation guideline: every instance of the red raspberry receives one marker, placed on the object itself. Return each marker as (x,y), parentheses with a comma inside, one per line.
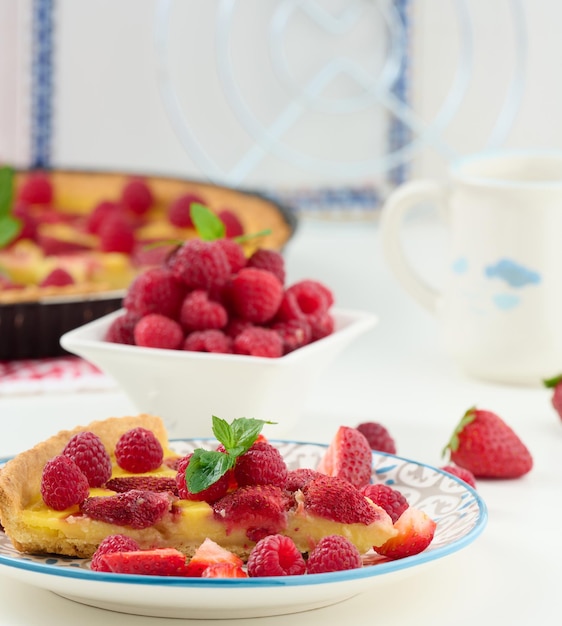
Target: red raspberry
(198,312)
(257,341)
(86,449)
(117,234)
(36,189)
(28,222)
(138,450)
(262,464)
(100,213)
(135,508)
(333,553)
(122,328)
(58,277)
(378,437)
(255,294)
(158,331)
(294,334)
(269,260)
(112,543)
(391,500)
(156,290)
(179,212)
(234,253)
(262,509)
(233,226)
(213,493)
(236,325)
(208,341)
(298,478)
(307,299)
(121,484)
(321,326)
(200,265)
(63,484)
(275,555)
(462,473)
(136,196)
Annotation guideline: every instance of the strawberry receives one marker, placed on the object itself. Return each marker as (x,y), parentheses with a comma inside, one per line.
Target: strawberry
(208,554)
(348,456)
(556,385)
(157,562)
(486,446)
(224,570)
(415,532)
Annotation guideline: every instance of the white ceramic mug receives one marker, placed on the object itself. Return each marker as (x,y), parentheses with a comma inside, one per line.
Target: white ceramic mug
(501,304)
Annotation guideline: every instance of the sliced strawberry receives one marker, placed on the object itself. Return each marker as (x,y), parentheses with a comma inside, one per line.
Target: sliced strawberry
(224,570)
(415,532)
(348,456)
(210,553)
(157,562)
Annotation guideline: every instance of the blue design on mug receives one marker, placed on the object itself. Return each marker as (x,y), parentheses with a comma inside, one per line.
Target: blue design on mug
(514,274)
(460,265)
(506,301)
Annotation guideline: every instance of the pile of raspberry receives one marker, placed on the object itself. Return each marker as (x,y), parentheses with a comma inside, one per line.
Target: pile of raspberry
(207,296)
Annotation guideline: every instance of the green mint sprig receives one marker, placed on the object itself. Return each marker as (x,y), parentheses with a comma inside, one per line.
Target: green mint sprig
(10,226)
(207,466)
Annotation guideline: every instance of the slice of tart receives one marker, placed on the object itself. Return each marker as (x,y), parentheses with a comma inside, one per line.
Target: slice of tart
(136,504)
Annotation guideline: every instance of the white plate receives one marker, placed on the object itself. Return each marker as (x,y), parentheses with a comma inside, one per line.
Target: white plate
(458,510)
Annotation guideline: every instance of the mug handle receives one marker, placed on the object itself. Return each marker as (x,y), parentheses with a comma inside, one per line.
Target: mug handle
(399,203)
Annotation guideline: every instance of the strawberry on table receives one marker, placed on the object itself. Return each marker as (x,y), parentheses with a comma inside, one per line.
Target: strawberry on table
(486,446)
(556,385)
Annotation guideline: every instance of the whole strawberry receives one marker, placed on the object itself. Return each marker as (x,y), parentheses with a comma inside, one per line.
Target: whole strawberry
(556,385)
(485,445)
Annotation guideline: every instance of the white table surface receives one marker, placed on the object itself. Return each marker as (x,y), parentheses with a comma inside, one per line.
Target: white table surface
(399,376)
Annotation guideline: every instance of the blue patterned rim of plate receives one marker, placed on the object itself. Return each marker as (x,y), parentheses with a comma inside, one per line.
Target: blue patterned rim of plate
(460,513)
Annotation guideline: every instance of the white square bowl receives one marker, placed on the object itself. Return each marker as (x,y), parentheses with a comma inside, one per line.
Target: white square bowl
(187,388)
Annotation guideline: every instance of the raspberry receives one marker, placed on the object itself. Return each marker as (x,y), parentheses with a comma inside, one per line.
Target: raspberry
(257,341)
(208,341)
(122,328)
(58,277)
(99,214)
(378,437)
(462,473)
(305,300)
(28,222)
(112,543)
(213,493)
(275,555)
(333,553)
(269,260)
(136,196)
(121,484)
(262,509)
(138,450)
(63,484)
(158,331)
(198,312)
(86,449)
(117,234)
(236,325)
(234,253)
(337,500)
(156,290)
(179,212)
(200,265)
(36,189)
(255,294)
(294,334)
(135,508)
(321,326)
(262,464)
(391,500)
(298,478)
(233,226)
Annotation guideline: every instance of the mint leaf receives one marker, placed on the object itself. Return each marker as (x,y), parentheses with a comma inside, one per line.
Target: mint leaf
(208,225)
(205,468)
(250,236)
(10,228)
(6,189)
